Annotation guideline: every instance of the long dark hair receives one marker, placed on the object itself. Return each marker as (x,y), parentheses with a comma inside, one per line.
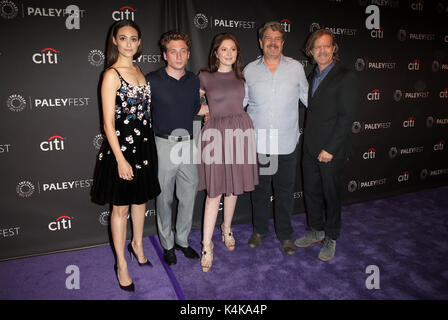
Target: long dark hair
(213,63)
(111,49)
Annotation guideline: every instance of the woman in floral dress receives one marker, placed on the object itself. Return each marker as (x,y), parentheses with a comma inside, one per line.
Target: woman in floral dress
(126,174)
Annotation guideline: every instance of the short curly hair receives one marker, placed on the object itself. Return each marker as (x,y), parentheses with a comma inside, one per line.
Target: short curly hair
(174,35)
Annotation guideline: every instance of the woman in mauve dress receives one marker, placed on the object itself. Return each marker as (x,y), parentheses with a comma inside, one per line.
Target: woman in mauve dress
(228,163)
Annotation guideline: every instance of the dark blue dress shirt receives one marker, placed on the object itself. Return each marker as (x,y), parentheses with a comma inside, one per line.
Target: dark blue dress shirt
(319,76)
(174,103)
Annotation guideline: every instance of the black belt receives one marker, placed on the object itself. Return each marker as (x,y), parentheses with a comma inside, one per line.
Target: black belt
(175,138)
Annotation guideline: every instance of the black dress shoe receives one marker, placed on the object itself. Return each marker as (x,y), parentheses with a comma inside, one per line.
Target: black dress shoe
(128,288)
(133,254)
(255,240)
(188,251)
(169,256)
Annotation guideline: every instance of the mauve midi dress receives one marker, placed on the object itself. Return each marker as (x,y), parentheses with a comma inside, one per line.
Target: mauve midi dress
(227,144)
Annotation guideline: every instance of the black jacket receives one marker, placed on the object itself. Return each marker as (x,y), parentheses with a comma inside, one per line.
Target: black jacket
(330,113)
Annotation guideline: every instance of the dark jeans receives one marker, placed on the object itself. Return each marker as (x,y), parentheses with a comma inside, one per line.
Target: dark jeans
(282,183)
(322,189)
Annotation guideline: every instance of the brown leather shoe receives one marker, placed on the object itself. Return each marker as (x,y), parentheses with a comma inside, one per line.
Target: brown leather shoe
(255,240)
(288,247)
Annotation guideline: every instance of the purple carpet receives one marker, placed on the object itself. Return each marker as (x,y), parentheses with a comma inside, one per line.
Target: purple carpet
(404,237)
(44,277)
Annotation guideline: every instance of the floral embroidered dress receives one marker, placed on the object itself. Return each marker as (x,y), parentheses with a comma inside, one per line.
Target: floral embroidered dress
(136,138)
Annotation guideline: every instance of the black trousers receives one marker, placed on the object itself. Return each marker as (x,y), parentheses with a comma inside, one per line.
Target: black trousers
(281,184)
(322,190)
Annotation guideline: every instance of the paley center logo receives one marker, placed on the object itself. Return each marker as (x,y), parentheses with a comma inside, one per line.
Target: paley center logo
(47,55)
(98,141)
(412,95)
(150,58)
(17,103)
(403,35)
(437,66)
(362,64)
(394,151)
(201,21)
(25,189)
(96,57)
(336,30)
(125,13)
(61,223)
(424,174)
(354,185)
(72,13)
(430,121)
(8,9)
(358,126)
(54,143)
(66,185)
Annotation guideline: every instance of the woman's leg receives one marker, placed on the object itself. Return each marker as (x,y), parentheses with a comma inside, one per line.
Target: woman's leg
(138,222)
(210,215)
(118,223)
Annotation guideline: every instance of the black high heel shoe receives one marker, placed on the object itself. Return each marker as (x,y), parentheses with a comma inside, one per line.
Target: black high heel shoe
(132,254)
(129,288)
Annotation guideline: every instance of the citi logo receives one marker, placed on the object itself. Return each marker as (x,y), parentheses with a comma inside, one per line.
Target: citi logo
(409,123)
(370,154)
(125,13)
(439,145)
(414,65)
(374,95)
(47,55)
(417,5)
(61,223)
(403,177)
(377,33)
(54,143)
(444,93)
(286,24)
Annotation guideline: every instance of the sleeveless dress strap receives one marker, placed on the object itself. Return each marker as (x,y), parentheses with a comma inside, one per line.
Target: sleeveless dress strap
(119,75)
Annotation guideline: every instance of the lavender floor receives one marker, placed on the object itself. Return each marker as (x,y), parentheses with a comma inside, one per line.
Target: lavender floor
(404,237)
